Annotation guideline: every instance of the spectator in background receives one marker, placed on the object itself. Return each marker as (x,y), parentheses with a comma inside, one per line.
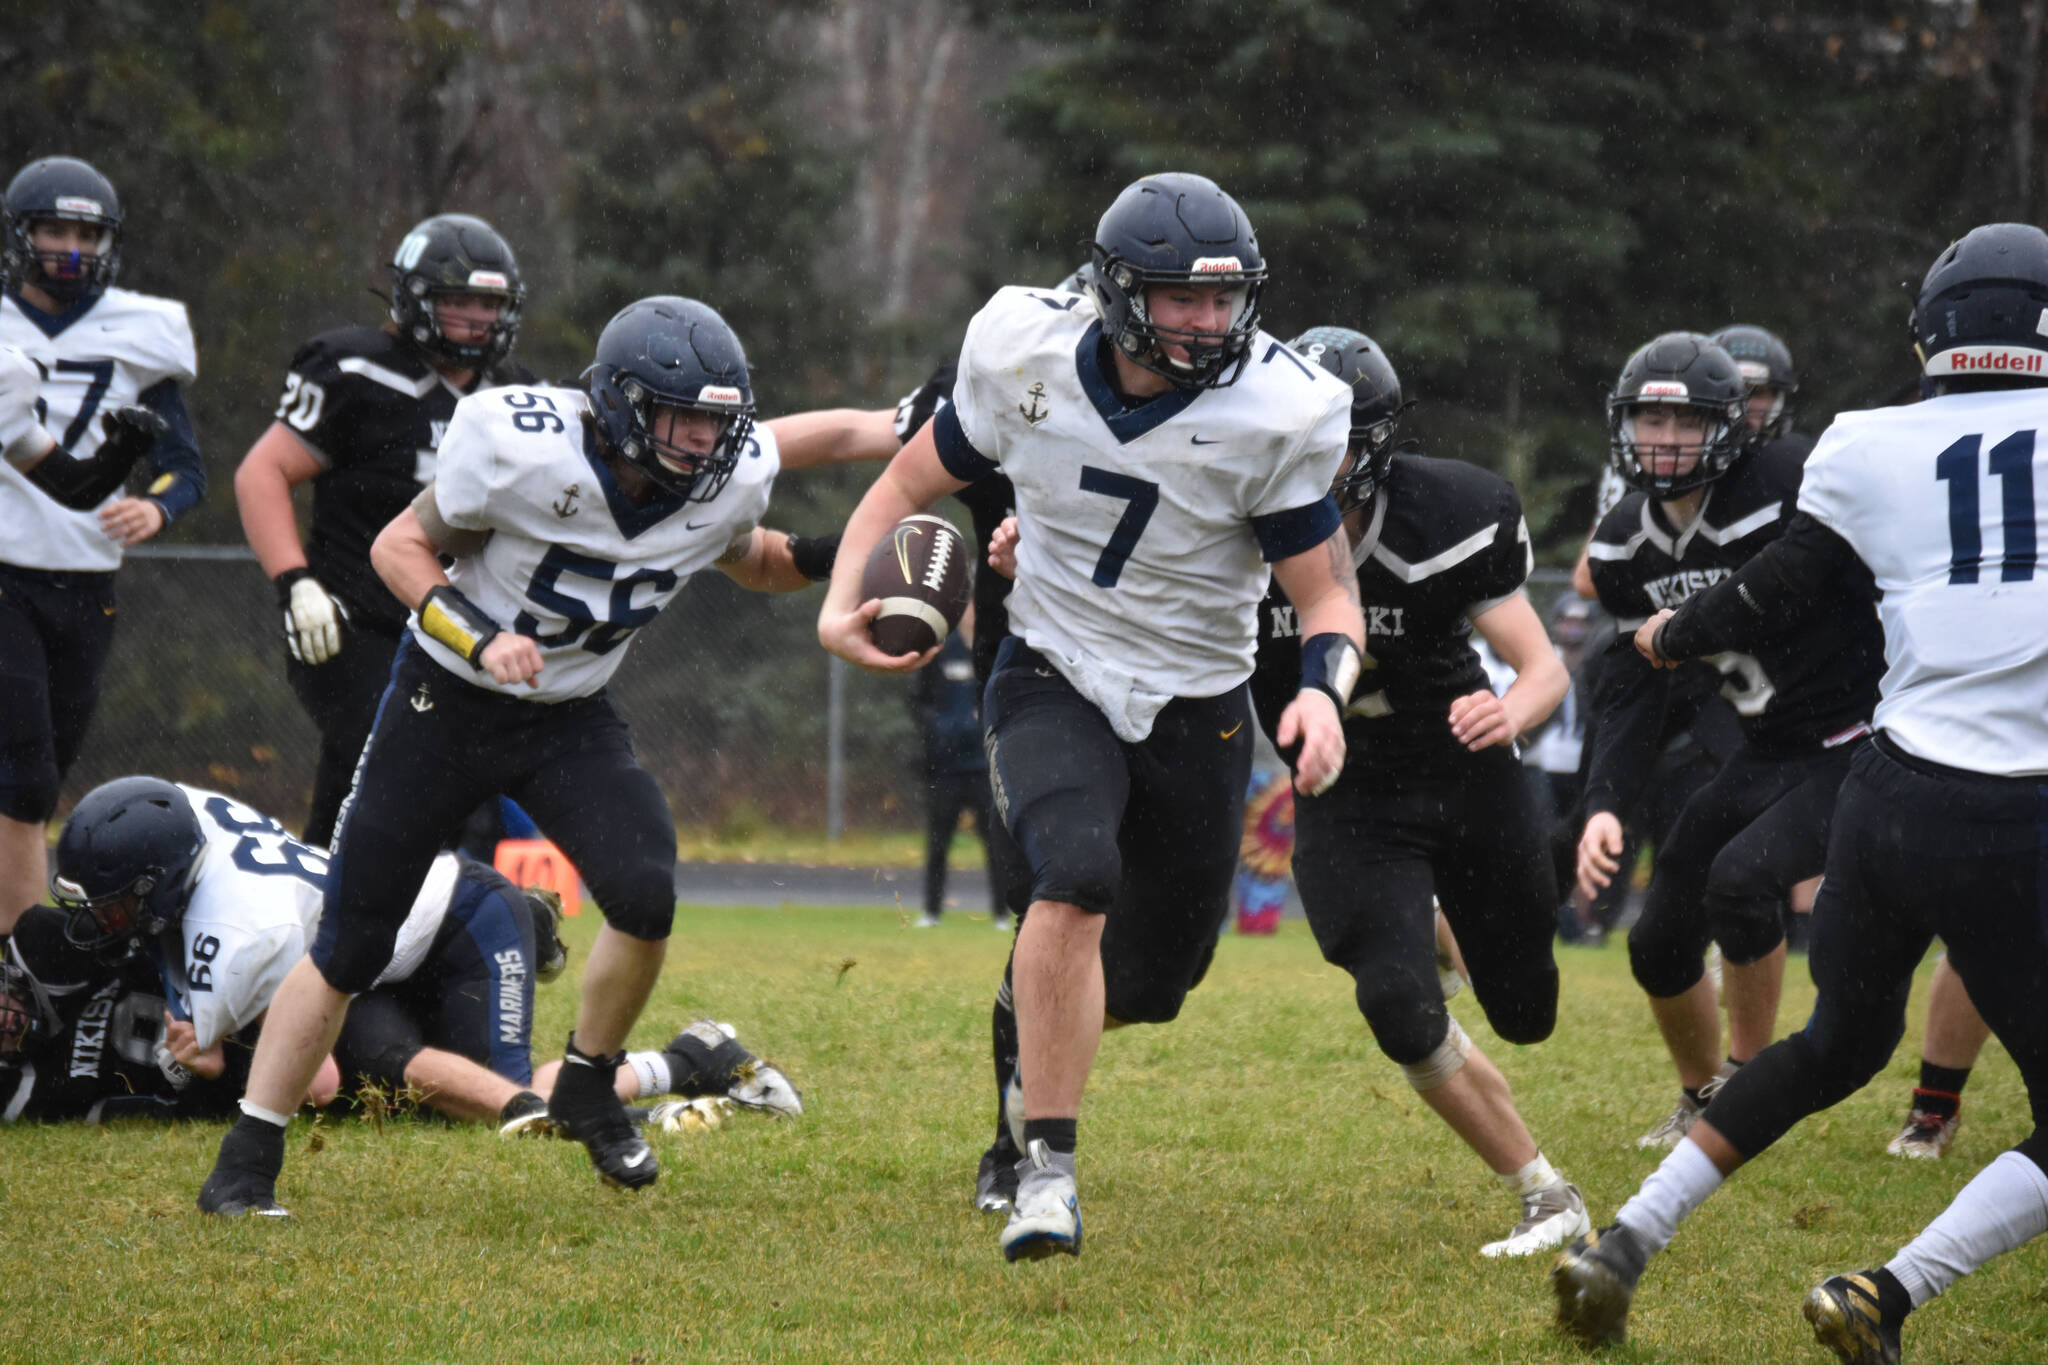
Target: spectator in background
(945,697)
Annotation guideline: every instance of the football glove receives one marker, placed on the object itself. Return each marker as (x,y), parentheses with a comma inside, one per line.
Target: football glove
(312,618)
(82,485)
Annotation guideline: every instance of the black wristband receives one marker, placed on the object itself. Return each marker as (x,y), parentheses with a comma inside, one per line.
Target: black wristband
(814,555)
(1330,663)
(283,583)
(451,619)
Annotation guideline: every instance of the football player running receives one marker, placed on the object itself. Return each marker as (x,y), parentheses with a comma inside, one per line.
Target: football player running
(360,419)
(1705,500)
(103,387)
(1433,803)
(1163,452)
(1939,825)
(571,518)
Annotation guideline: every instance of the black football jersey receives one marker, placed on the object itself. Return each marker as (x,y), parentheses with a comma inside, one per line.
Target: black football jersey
(1793,694)
(1443,541)
(372,410)
(95,1055)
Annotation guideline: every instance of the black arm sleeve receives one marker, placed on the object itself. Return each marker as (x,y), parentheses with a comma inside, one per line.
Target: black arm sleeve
(1767,598)
(82,485)
(1630,699)
(181,474)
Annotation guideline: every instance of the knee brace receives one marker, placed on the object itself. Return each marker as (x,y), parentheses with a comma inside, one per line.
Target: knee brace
(1443,1063)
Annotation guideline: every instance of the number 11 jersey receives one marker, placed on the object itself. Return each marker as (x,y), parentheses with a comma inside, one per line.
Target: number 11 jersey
(1940,500)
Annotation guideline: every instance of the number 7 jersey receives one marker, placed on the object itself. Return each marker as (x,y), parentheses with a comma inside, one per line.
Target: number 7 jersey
(1944,501)
(570,561)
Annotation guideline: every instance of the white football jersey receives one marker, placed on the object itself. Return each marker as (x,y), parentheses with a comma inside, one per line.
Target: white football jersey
(1139,569)
(570,561)
(254,912)
(103,358)
(1938,498)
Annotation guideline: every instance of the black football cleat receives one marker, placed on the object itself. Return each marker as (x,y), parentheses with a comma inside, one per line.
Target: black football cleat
(995,1182)
(1850,1316)
(244,1177)
(1595,1278)
(585,1107)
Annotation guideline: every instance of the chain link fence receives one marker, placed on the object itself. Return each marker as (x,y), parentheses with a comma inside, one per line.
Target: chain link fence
(726,693)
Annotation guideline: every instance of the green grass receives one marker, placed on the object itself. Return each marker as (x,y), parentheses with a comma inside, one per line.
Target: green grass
(1258,1183)
(855,848)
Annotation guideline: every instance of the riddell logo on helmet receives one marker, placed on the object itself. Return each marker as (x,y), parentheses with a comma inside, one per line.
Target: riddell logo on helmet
(712,393)
(1989,360)
(488,279)
(1217,265)
(71,204)
(1663,388)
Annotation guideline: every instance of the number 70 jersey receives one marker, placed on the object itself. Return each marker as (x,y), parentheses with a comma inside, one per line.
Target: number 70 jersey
(570,562)
(1945,502)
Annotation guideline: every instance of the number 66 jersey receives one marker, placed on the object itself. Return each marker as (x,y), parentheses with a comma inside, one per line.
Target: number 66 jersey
(254,908)
(571,561)
(1940,500)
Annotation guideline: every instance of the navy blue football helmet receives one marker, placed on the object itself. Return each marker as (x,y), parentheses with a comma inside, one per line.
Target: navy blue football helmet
(1766,363)
(1686,370)
(126,864)
(678,353)
(1982,307)
(60,187)
(1176,229)
(453,253)
(1376,406)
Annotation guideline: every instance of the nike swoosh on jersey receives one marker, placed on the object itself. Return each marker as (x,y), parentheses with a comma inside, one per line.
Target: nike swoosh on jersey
(695,525)
(1198,441)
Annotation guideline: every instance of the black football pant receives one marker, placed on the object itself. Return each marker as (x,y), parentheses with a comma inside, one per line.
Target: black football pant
(1917,851)
(946,796)
(473,995)
(1464,828)
(439,746)
(55,633)
(341,696)
(1740,845)
(1146,834)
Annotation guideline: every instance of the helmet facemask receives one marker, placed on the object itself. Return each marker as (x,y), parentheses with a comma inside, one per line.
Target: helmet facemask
(1667,475)
(691,475)
(66,276)
(1210,354)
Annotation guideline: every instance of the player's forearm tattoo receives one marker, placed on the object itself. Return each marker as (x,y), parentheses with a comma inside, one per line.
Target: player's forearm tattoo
(1340,566)
(737,549)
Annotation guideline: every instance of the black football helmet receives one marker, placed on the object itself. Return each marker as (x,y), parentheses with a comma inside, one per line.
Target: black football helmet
(126,864)
(1983,307)
(1766,363)
(1683,369)
(24,1015)
(60,187)
(1376,406)
(679,353)
(453,253)
(1173,229)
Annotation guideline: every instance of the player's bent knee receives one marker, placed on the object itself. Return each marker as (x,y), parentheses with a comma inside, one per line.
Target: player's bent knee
(1142,1002)
(1664,966)
(30,795)
(1408,1025)
(650,922)
(1529,1015)
(1748,931)
(1443,1062)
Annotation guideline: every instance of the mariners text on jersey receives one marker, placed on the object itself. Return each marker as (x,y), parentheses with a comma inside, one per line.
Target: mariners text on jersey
(571,561)
(1144,529)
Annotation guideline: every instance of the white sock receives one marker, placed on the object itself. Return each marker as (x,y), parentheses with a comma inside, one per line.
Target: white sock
(1677,1187)
(2005,1206)
(1537,1175)
(269,1116)
(651,1070)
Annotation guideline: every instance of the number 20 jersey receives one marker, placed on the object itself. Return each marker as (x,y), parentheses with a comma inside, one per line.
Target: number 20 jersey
(254,910)
(570,562)
(1945,502)
(1142,530)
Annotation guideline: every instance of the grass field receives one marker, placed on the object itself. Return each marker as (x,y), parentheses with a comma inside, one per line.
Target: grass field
(1258,1184)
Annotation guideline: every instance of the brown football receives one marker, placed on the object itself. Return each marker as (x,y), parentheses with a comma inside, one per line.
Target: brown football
(923,575)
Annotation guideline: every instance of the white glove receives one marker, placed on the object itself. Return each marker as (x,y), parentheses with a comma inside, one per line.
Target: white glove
(312,621)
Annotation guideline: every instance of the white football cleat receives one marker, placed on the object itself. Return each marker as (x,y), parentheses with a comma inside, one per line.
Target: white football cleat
(757,1085)
(1046,1218)
(1551,1217)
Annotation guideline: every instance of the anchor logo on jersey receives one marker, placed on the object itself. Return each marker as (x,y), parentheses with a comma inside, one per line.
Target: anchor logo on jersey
(421,702)
(1034,414)
(565,506)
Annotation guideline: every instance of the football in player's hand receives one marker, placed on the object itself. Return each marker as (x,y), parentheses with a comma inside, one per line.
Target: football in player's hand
(921,572)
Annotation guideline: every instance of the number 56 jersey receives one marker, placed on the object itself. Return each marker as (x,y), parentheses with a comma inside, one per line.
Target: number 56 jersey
(1945,501)
(571,562)
(254,910)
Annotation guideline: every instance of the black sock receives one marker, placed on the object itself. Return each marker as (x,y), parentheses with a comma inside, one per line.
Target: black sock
(1892,1299)
(1943,1084)
(1058,1135)
(253,1145)
(1003,1042)
(1692,1095)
